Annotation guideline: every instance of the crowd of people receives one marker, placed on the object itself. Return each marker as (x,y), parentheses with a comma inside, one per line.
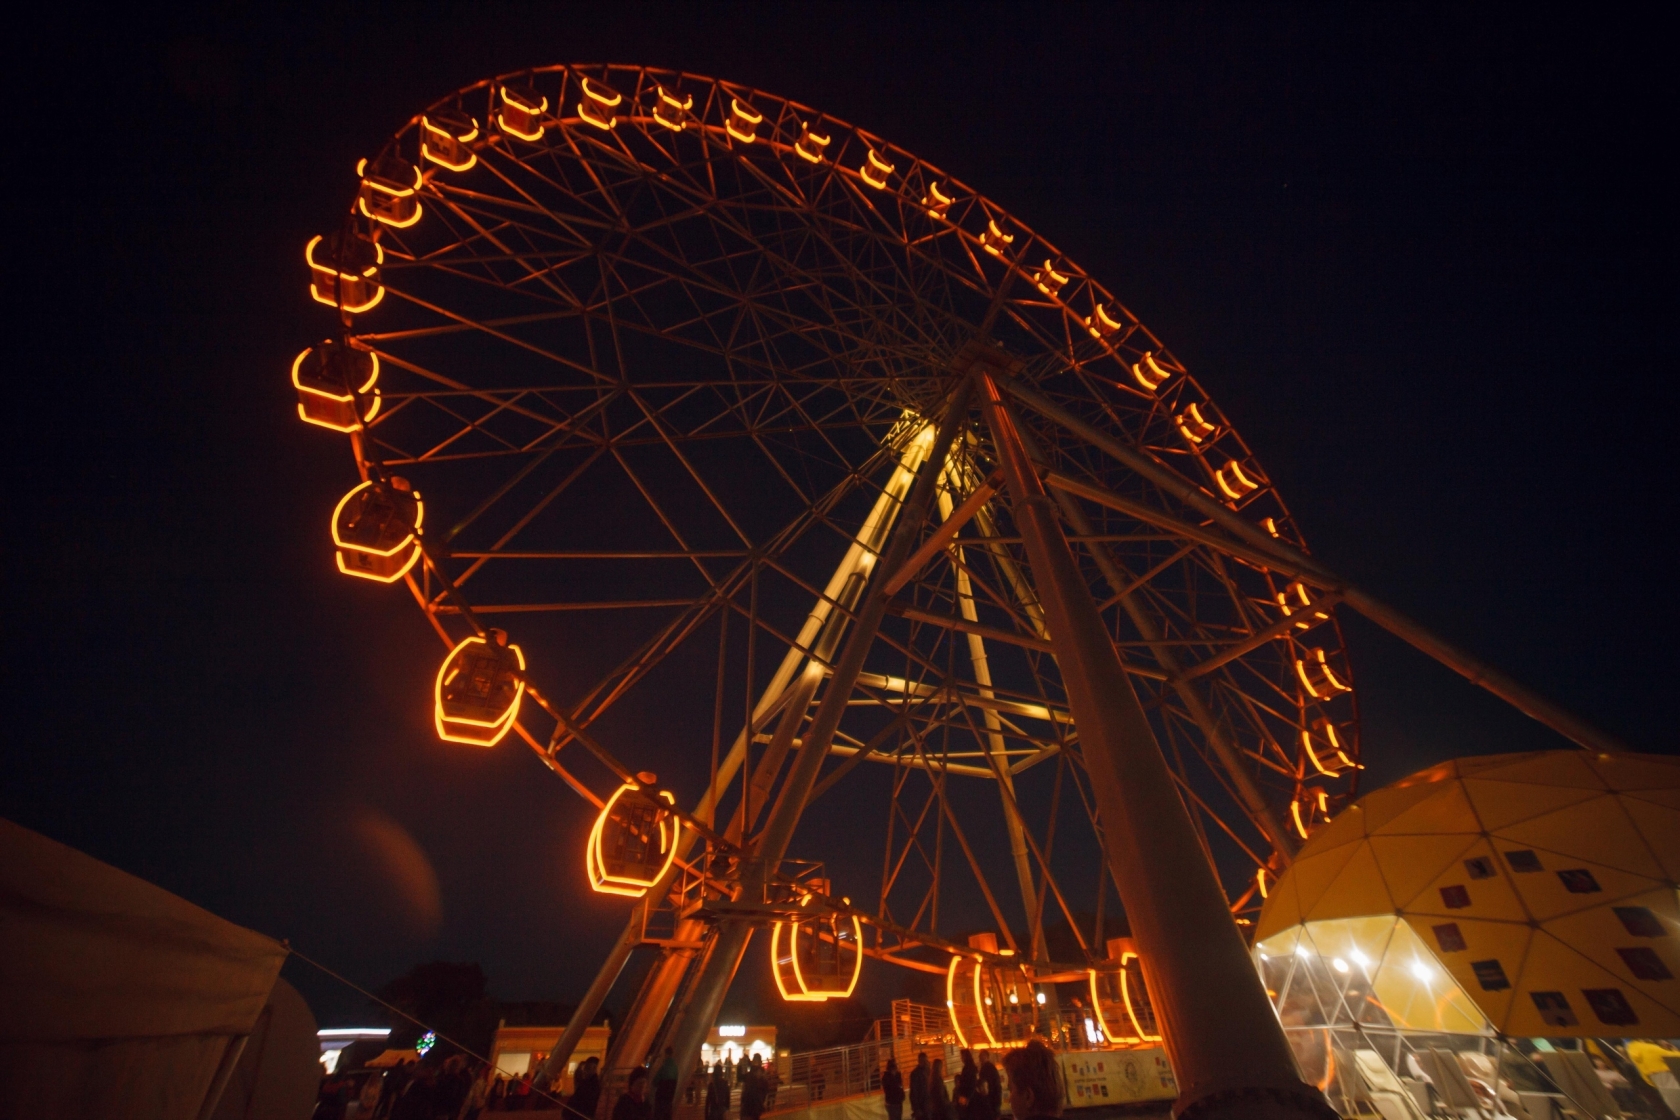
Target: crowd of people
(448,1090)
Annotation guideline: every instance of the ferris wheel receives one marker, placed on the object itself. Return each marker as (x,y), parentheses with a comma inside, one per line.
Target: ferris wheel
(650,379)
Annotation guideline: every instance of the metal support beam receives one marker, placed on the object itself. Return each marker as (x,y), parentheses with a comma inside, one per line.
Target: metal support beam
(1236,766)
(771,845)
(1227,1048)
(1291,560)
(561,1053)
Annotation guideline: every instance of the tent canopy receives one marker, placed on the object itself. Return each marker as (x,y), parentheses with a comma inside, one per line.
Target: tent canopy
(1544,884)
(121,999)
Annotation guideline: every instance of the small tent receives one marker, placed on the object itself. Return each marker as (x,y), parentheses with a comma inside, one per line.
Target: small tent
(120,999)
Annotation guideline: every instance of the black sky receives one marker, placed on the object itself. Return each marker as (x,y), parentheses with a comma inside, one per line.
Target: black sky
(1418,255)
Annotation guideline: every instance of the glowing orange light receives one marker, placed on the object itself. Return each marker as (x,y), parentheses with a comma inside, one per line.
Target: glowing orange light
(1295,811)
(388,192)
(1324,803)
(994,240)
(346,269)
(935,201)
(1101,324)
(1270,525)
(627,864)
(875,170)
(791,980)
(670,110)
(743,121)
(521,113)
(1193,426)
(809,147)
(950,1001)
(1233,481)
(375,530)
(325,397)
(599,105)
(1048,280)
(1260,881)
(1316,662)
(1149,373)
(481,708)
(444,139)
(1312,755)
(1097,1002)
(1126,995)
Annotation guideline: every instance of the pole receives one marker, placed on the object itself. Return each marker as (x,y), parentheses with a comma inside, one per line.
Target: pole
(1226,1046)
(1525,700)
(733,936)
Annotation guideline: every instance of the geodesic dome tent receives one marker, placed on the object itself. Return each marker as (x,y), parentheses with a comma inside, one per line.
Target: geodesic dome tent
(1525,895)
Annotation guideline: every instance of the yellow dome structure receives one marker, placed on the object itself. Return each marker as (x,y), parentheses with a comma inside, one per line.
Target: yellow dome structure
(1523,895)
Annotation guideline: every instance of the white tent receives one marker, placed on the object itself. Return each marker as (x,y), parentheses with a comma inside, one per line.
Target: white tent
(120,999)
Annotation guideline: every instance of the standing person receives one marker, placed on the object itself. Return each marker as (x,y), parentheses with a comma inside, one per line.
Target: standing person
(752,1090)
(477,1096)
(991,1088)
(586,1090)
(633,1103)
(967,1091)
(1035,1084)
(717,1094)
(919,1087)
(892,1090)
(939,1095)
(665,1086)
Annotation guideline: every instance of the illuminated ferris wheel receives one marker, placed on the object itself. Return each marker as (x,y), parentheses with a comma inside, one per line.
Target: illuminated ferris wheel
(650,379)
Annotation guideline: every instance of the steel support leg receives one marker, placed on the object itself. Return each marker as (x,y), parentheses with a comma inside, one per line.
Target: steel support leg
(733,936)
(555,1064)
(1227,1048)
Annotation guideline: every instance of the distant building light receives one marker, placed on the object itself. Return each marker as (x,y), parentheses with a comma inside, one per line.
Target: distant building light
(732,1032)
(353,1032)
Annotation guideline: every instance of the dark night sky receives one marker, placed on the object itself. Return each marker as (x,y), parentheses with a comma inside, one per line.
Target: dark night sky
(1417,255)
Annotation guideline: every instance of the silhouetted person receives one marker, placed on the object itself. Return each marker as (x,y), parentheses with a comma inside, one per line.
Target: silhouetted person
(1035,1084)
(753,1088)
(919,1087)
(665,1086)
(939,1097)
(967,1088)
(717,1094)
(991,1089)
(892,1090)
(586,1089)
(633,1103)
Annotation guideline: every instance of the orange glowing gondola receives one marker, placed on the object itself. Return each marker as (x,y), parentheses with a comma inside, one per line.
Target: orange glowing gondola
(599,104)
(344,271)
(390,191)
(329,379)
(479,687)
(670,110)
(991,1005)
(376,530)
(818,957)
(444,136)
(521,112)
(634,840)
(1121,1001)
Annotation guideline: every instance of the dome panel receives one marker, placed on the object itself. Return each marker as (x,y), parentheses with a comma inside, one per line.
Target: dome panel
(1565,884)
(1545,768)
(1312,876)
(1411,863)
(1446,810)
(1464,890)
(1597,831)
(1660,826)
(1386,804)
(1638,771)
(1650,964)
(1578,997)
(1357,892)
(1501,803)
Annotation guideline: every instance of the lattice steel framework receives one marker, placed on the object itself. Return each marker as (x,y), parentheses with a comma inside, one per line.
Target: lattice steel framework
(660,361)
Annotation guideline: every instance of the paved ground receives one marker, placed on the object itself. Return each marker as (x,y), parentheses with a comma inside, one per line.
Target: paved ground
(1151,1110)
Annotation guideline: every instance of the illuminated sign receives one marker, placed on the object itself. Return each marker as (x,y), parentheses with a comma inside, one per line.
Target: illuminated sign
(732,1032)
